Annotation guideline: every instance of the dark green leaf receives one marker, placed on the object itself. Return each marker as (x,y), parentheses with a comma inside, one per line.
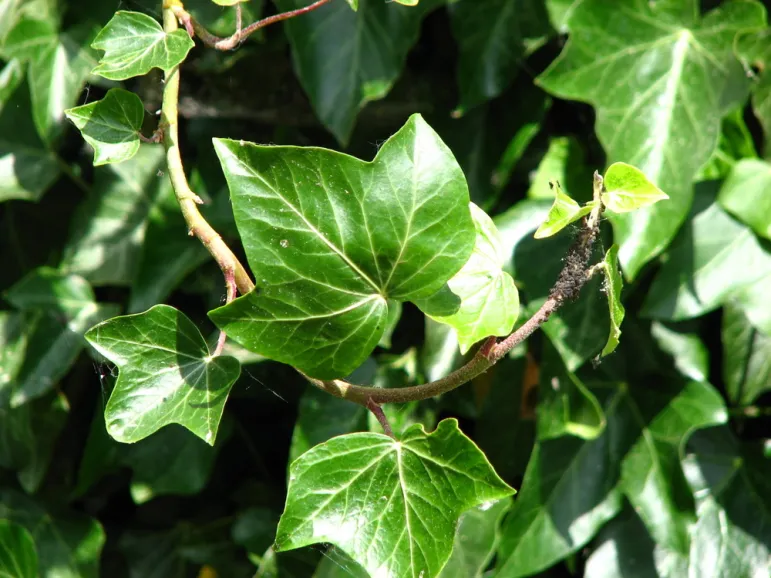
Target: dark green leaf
(613,285)
(405,496)
(337,564)
(687,351)
(342,76)
(661,79)
(167,375)
(18,558)
(111,125)
(493,38)
(746,357)
(311,221)
(754,49)
(713,257)
(628,189)
(68,545)
(745,194)
(135,43)
(563,212)
(394,314)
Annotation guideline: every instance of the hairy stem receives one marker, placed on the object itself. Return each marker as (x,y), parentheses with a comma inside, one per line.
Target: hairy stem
(188,200)
(240,34)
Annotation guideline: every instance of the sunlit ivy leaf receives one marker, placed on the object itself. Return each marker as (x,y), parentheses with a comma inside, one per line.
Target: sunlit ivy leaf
(700,274)
(354,4)
(475,540)
(745,194)
(754,50)
(403,496)
(135,43)
(688,352)
(18,558)
(167,375)
(440,353)
(51,290)
(752,301)
(67,544)
(109,226)
(481,299)
(59,62)
(735,143)
(228,2)
(111,125)
(493,38)
(341,77)
(628,189)
(613,285)
(563,212)
(746,357)
(326,260)
(657,69)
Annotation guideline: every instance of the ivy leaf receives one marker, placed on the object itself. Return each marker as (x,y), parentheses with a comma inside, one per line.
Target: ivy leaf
(613,285)
(405,496)
(228,2)
(341,77)
(135,43)
(326,260)
(167,375)
(493,38)
(564,162)
(18,558)
(736,143)
(489,302)
(746,357)
(656,69)
(111,125)
(628,189)
(754,49)
(745,194)
(688,352)
(563,212)
(700,273)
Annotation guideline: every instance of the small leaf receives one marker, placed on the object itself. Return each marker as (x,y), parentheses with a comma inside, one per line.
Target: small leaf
(405,496)
(489,301)
(563,212)
(18,557)
(111,125)
(628,189)
(354,4)
(135,43)
(746,194)
(613,285)
(167,375)
(228,2)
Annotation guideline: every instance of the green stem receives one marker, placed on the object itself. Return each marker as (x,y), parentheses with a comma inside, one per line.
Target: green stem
(188,200)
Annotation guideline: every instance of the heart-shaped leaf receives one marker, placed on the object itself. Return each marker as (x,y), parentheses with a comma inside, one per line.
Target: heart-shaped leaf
(331,238)
(393,506)
(135,43)
(489,301)
(563,212)
(167,375)
(613,285)
(18,557)
(628,189)
(111,125)
(746,194)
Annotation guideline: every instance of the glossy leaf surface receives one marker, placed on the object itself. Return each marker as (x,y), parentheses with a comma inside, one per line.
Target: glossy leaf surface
(746,357)
(18,558)
(746,194)
(628,189)
(563,212)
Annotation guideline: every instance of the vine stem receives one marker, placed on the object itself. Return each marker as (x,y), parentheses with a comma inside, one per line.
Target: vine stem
(240,34)
(234,272)
(571,280)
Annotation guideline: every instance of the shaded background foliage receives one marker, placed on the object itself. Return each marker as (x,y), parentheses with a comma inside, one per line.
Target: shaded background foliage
(612,479)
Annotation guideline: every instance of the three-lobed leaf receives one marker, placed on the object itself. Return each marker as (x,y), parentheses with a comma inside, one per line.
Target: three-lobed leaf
(392,505)
(166,375)
(134,43)
(332,238)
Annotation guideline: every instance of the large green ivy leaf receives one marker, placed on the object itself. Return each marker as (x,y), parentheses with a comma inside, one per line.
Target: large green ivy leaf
(754,49)
(489,301)
(493,37)
(135,43)
(745,194)
(746,357)
(331,238)
(167,375)
(713,257)
(392,505)
(661,78)
(68,545)
(736,143)
(18,558)
(59,62)
(345,59)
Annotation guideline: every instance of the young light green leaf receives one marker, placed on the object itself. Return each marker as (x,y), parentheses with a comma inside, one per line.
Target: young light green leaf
(313,227)
(228,2)
(18,557)
(613,285)
(563,212)
(167,375)
(405,496)
(135,43)
(656,69)
(746,194)
(354,4)
(628,189)
(489,301)
(111,125)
